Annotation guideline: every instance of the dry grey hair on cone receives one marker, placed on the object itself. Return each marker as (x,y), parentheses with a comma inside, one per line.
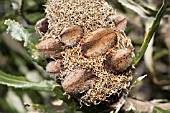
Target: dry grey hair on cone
(94,51)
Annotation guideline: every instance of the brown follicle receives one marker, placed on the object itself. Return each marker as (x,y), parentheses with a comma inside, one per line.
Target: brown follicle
(118,61)
(78,81)
(53,68)
(50,47)
(98,34)
(71,35)
(42,26)
(99,42)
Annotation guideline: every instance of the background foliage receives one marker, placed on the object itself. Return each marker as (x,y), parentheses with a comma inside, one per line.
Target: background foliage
(15,61)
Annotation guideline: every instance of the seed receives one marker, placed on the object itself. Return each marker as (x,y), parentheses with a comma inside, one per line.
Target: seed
(100,42)
(42,26)
(71,35)
(78,81)
(50,48)
(118,61)
(54,67)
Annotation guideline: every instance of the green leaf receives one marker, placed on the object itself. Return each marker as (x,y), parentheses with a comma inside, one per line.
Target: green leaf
(22,82)
(133,6)
(19,33)
(151,31)
(148,7)
(40,107)
(160,110)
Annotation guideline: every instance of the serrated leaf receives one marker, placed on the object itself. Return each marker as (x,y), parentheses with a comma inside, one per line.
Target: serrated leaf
(160,110)
(19,33)
(16,30)
(133,6)
(22,82)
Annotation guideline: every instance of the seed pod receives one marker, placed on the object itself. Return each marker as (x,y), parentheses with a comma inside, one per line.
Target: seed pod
(118,61)
(99,42)
(71,35)
(54,67)
(78,81)
(42,26)
(98,34)
(50,48)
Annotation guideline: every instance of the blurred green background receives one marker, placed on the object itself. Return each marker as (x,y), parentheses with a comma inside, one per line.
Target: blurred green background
(14,59)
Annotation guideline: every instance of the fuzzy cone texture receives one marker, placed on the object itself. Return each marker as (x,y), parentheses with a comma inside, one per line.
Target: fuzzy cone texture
(91,15)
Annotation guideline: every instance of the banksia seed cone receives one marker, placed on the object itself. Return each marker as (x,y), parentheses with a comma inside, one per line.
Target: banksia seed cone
(96,55)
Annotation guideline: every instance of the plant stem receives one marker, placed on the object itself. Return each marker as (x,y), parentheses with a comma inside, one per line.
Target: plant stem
(149,34)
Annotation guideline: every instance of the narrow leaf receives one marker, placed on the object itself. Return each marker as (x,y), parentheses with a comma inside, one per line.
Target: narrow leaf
(149,34)
(139,79)
(22,82)
(133,6)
